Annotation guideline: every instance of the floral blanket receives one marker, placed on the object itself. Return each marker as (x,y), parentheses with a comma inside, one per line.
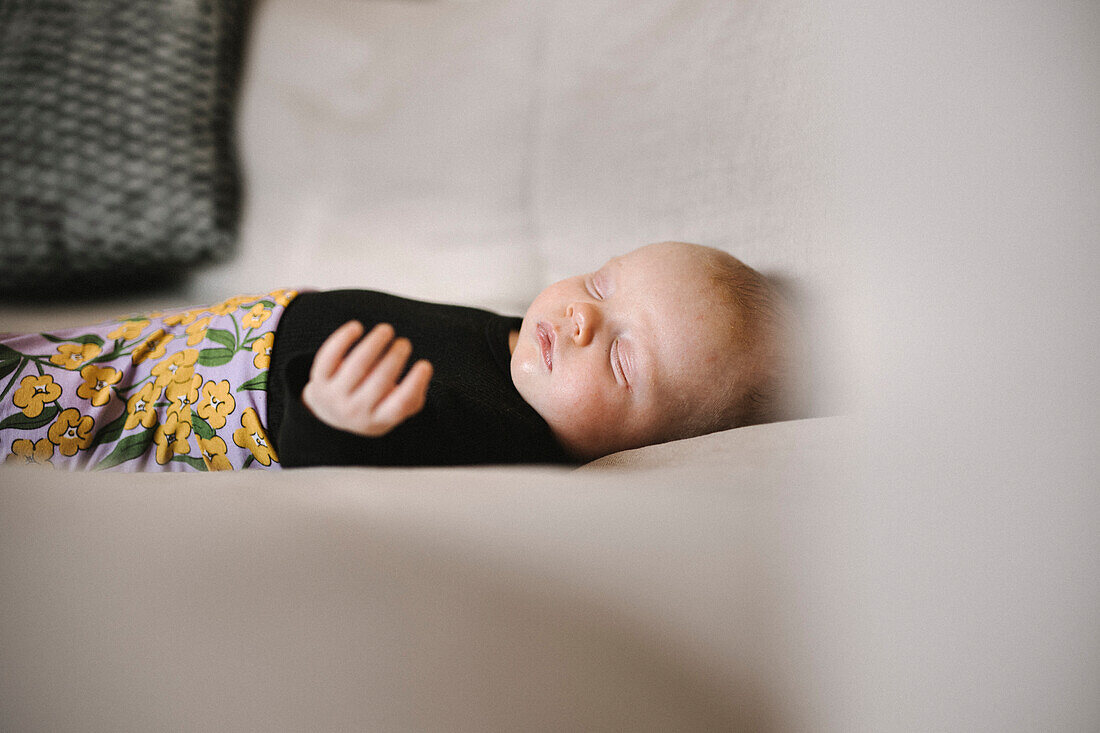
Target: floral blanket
(175,391)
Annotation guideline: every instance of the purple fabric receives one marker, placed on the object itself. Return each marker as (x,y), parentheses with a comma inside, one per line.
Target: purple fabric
(180,391)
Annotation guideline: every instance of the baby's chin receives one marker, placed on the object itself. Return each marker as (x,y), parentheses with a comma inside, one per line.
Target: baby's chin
(522,368)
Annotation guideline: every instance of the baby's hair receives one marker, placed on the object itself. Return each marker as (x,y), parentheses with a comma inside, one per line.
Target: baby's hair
(759,317)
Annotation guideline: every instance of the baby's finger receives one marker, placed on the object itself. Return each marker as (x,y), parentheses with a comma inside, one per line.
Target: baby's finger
(331,353)
(362,359)
(386,370)
(407,398)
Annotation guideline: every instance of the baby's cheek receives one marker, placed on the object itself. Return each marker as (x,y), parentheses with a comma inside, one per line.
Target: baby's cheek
(589,403)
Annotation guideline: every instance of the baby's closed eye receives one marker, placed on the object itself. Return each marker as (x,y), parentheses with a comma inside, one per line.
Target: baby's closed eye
(619,363)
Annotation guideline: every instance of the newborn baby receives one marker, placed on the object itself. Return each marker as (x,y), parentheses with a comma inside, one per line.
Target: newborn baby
(668,341)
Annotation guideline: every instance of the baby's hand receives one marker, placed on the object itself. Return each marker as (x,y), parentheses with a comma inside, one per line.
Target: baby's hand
(356,390)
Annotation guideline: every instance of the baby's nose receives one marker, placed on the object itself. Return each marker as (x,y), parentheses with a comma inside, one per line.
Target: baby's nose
(585,318)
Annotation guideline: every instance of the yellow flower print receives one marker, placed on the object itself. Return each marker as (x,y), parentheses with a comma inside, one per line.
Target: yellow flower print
(217,403)
(97,383)
(129,330)
(34,392)
(251,435)
(231,305)
(181,395)
(25,451)
(256,316)
(282,296)
(152,347)
(71,356)
(183,317)
(213,454)
(140,407)
(71,431)
(196,332)
(171,437)
(222,309)
(179,367)
(262,347)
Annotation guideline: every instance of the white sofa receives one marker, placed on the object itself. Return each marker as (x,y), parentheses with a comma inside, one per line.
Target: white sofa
(918,556)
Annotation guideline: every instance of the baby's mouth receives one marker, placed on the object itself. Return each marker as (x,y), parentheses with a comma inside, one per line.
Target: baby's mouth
(545,335)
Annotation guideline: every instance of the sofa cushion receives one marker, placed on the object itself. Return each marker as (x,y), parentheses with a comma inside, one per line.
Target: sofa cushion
(116,156)
(730,453)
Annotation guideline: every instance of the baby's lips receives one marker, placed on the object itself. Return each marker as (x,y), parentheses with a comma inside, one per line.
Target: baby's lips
(545,335)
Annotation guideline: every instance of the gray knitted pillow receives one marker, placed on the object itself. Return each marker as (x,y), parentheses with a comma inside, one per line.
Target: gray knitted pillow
(116,151)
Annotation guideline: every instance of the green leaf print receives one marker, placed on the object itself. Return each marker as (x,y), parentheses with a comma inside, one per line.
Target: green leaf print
(257,382)
(8,355)
(223,337)
(88,338)
(114,353)
(110,432)
(17,366)
(19,421)
(215,357)
(196,463)
(201,427)
(127,449)
(7,367)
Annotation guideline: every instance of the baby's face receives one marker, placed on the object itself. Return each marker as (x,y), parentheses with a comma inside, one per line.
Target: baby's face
(610,358)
